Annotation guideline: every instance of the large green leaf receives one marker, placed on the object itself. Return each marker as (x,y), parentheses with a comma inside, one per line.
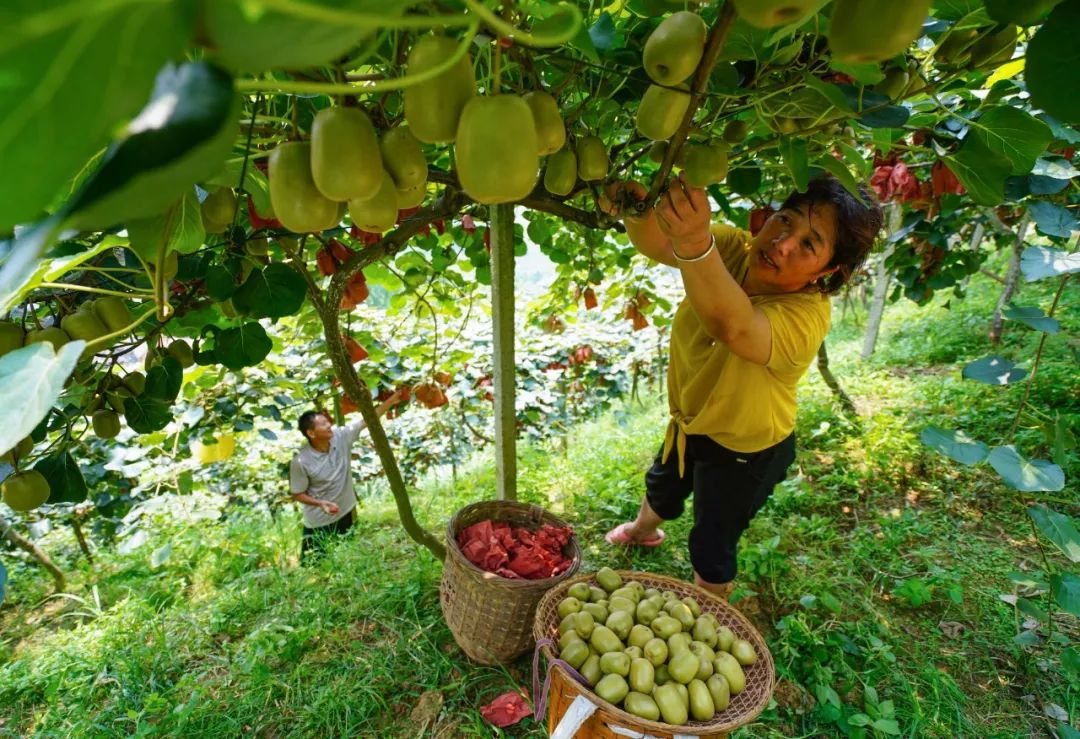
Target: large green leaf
(956,445)
(1038,262)
(1066,590)
(981,171)
(1059,529)
(184,221)
(793,149)
(66,481)
(1053,220)
(1053,56)
(241,347)
(1027,476)
(151,410)
(272,292)
(72,72)
(836,168)
(745,180)
(993,370)
(180,138)
(31,379)
(1014,134)
(1033,317)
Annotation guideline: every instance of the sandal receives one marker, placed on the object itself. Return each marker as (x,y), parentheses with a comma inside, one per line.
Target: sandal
(621,535)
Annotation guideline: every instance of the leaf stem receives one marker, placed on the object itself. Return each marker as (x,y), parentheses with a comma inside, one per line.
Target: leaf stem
(344,88)
(88,289)
(1035,364)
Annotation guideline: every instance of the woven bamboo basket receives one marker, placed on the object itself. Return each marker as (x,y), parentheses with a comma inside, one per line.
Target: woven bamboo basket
(491,617)
(744,707)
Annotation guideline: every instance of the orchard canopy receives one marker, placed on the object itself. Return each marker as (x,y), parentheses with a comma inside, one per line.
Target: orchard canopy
(183,179)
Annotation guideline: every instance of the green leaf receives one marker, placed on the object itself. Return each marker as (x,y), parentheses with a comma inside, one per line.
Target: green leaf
(186,232)
(145,414)
(1052,58)
(1053,220)
(1014,134)
(161,555)
(1027,476)
(859,719)
(1026,639)
(272,292)
(1033,317)
(602,33)
(864,74)
(890,116)
(993,370)
(1064,731)
(22,272)
(66,481)
(793,149)
(582,41)
(71,74)
(1070,660)
(1066,590)
(955,445)
(180,138)
(1059,529)
(836,168)
(981,171)
(241,347)
(745,180)
(887,726)
(151,410)
(31,379)
(1037,262)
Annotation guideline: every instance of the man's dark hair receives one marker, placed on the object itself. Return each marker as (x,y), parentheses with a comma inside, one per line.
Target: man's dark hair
(307,421)
(857,225)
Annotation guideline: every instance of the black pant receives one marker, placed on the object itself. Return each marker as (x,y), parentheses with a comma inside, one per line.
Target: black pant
(729,488)
(314,540)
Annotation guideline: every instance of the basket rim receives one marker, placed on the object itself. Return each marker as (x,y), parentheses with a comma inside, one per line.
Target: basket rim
(765,658)
(454,551)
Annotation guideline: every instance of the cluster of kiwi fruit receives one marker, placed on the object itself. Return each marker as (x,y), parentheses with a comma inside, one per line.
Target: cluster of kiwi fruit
(651,652)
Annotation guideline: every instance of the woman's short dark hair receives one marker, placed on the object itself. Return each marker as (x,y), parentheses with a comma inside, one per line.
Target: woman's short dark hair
(857,225)
(307,421)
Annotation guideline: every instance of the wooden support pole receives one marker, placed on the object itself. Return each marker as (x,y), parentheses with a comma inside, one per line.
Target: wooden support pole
(502,311)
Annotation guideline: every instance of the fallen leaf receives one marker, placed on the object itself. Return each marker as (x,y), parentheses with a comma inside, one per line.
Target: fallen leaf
(951,629)
(427,708)
(1056,712)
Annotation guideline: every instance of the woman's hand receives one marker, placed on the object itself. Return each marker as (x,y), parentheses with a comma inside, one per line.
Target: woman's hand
(617,198)
(684,216)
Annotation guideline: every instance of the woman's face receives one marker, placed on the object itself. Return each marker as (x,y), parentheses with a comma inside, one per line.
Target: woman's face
(792,249)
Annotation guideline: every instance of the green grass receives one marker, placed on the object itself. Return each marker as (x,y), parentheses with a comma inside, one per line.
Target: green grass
(875,570)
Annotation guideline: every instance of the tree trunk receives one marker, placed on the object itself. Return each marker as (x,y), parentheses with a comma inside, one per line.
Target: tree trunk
(449,204)
(37,553)
(79,537)
(881,286)
(1012,277)
(502,330)
(830,380)
(877,305)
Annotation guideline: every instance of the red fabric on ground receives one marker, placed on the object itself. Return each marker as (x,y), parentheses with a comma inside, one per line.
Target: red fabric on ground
(516,553)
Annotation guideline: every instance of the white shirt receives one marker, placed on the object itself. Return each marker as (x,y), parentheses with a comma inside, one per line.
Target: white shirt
(326,475)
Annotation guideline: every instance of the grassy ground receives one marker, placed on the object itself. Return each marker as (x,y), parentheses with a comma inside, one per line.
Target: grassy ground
(875,573)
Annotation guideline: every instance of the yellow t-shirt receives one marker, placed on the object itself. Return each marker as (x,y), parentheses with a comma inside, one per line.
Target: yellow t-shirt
(742,405)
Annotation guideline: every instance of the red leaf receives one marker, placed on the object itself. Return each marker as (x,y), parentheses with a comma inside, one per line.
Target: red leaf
(943,180)
(258,221)
(340,251)
(327,263)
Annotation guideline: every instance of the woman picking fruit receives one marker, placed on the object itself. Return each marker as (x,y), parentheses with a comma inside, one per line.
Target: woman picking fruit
(756,311)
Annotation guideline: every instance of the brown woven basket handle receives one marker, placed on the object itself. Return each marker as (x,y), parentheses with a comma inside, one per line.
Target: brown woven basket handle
(536,514)
(540,696)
